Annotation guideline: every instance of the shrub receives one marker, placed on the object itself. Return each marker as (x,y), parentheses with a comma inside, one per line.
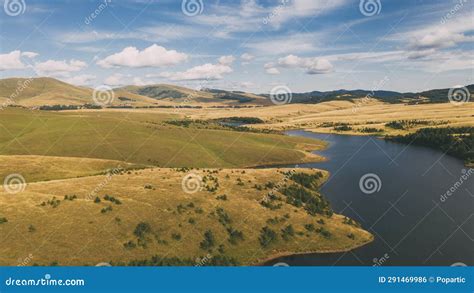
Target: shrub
(287,232)
(142,229)
(176,236)
(309,227)
(267,237)
(208,241)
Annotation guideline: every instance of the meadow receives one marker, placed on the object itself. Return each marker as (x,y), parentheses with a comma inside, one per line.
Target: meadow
(144,138)
(130,217)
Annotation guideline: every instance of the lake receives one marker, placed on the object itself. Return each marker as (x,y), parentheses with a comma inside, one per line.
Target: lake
(402,203)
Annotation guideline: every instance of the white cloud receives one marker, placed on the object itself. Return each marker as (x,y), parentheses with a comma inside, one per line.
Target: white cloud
(438,35)
(303,8)
(207,71)
(312,65)
(139,82)
(249,16)
(442,38)
(227,60)
(29,54)
(247,57)
(153,56)
(115,79)
(247,84)
(59,67)
(272,71)
(290,61)
(155,33)
(11,61)
(83,79)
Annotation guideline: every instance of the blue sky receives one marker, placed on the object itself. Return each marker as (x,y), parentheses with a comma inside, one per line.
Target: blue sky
(250,45)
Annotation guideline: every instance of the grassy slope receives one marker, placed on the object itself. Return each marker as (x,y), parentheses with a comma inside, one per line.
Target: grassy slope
(50,91)
(39,168)
(77,233)
(44,90)
(363,114)
(177,95)
(142,138)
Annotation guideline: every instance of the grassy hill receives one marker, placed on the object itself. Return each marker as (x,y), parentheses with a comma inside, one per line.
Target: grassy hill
(143,138)
(49,91)
(208,97)
(146,218)
(430,96)
(43,91)
(42,168)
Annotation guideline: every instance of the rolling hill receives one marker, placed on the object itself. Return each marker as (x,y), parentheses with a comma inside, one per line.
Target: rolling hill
(34,92)
(208,97)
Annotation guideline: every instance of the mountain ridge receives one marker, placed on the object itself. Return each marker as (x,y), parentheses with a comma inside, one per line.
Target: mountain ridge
(47,91)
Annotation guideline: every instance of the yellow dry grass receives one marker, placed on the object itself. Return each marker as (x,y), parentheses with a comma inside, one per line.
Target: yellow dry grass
(77,233)
(41,168)
(359,114)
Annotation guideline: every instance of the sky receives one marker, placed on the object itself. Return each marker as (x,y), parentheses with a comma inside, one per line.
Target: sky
(248,45)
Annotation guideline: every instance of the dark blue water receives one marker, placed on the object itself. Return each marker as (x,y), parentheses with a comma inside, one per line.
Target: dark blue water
(410,222)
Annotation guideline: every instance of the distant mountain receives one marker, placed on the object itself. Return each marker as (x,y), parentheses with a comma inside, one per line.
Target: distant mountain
(431,96)
(43,91)
(177,94)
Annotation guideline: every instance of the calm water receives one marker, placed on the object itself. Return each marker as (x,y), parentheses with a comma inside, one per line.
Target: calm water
(412,226)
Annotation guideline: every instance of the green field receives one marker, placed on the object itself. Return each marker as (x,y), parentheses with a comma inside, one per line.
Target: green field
(143,138)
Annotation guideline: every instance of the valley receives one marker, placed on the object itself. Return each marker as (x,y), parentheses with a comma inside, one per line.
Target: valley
(166,175)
